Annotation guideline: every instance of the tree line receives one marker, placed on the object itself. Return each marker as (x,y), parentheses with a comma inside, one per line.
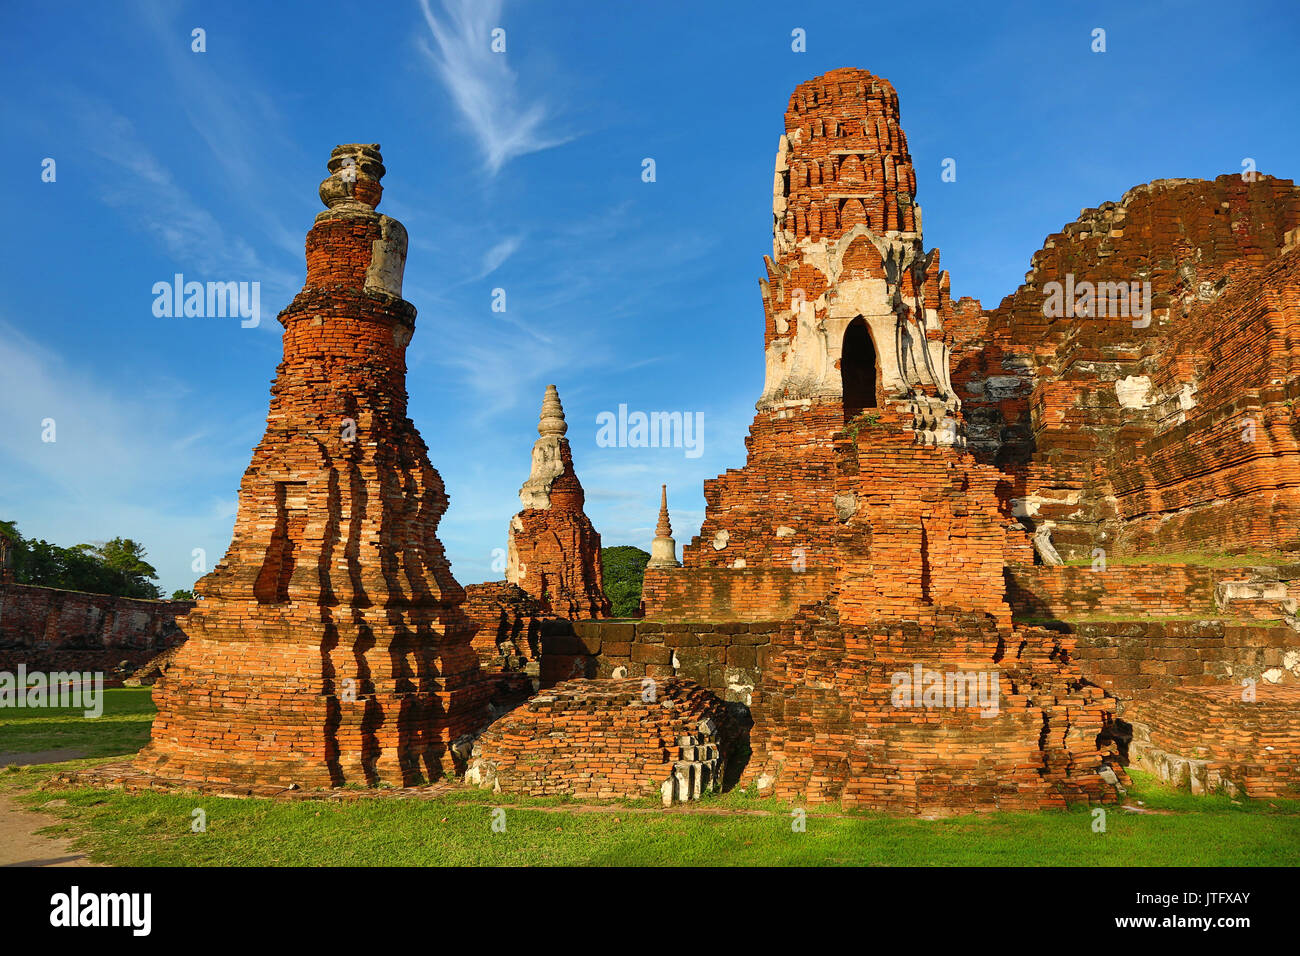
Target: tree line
(117,567)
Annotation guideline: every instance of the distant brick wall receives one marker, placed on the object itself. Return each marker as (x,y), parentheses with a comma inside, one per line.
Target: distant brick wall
(1140,590)
(732,594)
(53,629)
(1134,659)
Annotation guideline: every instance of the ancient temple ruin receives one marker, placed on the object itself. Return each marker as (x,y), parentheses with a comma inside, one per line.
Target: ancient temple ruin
(329,646)
(554,551)
(916,462)
(939,582)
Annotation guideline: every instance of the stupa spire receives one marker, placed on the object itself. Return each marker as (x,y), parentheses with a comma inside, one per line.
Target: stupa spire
(553,551)
(551,422)
(663,549)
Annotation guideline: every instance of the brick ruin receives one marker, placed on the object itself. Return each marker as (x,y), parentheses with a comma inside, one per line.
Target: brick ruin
(938,584)
(330,646)
(1174,430)
(50,629)
(915,464)
(608,739)
(554,551)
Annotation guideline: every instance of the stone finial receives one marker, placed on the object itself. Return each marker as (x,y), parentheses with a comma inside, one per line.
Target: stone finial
(551,422)
(664,529)
(355,172)
(663,549)
(550,454)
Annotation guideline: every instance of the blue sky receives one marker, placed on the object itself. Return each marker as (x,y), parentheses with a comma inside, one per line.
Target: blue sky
(522,171)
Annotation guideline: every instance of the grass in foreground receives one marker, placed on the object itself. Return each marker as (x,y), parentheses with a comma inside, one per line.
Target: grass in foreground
(155,829)
(122,728)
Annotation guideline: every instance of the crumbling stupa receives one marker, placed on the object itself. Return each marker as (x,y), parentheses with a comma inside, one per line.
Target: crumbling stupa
(554,551)
(860,541)
(329,645)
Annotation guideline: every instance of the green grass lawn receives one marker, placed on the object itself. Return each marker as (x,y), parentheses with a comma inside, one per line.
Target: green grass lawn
(122,728)
(155,829)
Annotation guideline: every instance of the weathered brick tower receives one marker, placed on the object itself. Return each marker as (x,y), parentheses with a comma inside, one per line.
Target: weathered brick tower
(329,646)
(860,534)
(554,551)
(858,425)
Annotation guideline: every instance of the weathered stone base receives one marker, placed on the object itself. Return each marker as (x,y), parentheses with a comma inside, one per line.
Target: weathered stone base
(1207,739)
(608,739)
(827,727)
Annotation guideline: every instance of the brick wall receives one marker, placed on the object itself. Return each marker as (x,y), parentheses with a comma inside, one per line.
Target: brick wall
(607,739)
(732,594)
(726,657)
(1140,590)
(1209,738)
(1134,659)
(52,629)
(926,530)
(828,728)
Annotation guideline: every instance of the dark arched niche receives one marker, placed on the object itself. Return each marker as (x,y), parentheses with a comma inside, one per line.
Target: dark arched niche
(858,368)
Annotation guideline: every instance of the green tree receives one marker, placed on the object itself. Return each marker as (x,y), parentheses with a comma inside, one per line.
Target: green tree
(624,569)
(181,594)
(128,573)
(11,546)
(115,567)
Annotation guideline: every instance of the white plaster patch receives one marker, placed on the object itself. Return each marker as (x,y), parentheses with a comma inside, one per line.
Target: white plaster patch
(387,258)
(1134,391)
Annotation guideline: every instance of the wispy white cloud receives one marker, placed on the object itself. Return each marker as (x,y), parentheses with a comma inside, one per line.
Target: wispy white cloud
(481,84)
(135,182)
(123,462)
(495,257)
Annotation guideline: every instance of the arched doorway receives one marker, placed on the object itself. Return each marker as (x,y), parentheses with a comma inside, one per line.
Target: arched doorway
(858,369)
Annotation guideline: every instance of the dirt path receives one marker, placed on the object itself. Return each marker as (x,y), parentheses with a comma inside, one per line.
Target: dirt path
(20,844)
(26,759)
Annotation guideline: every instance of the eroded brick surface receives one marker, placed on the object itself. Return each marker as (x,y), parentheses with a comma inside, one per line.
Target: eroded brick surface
(1129,436)
(554,551)
(1211,738)
(330,646)
(49,629)
(606,739)
(828,727)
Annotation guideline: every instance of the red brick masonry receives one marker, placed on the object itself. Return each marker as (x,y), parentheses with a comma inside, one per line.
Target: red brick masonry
(50,629)
(330,647)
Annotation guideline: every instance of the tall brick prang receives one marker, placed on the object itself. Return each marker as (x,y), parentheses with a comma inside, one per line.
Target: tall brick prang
(858,429)
(329,646)
(554,551)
